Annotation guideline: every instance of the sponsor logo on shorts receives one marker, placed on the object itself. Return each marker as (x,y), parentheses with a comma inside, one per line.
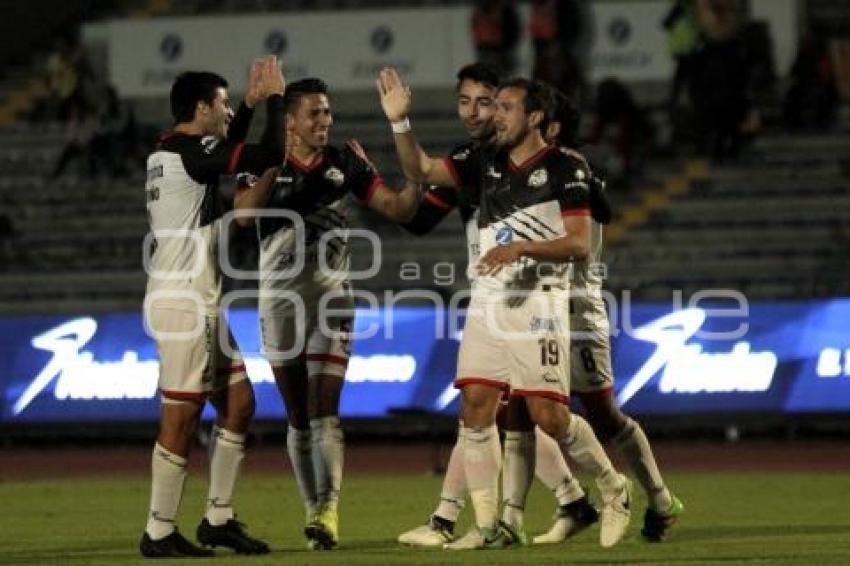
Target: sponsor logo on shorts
(504,235)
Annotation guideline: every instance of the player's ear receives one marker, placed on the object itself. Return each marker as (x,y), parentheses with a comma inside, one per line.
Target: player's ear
(553,130)
(535,119)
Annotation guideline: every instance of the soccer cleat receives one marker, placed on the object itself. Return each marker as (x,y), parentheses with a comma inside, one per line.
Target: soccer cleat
(174,545)
(570,519)
(477,539)
(656,525)
(323,531)
(231,535)
(615,515)
(436,532)
(514,534)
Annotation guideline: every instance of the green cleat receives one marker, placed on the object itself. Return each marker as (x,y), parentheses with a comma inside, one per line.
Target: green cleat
(323,531)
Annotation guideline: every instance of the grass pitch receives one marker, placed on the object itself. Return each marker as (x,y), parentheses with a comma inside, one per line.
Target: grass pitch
(769,518)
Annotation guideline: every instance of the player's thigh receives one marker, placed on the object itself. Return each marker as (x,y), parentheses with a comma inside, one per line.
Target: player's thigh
(590,364)
(185,340)
(539,347)
(482,357)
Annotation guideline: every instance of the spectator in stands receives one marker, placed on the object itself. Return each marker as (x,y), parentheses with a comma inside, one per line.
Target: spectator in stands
(682,36)
(79,131)
(67,73)
(812,97)
(495,33)
(719,79)
(621,123)
(561,34)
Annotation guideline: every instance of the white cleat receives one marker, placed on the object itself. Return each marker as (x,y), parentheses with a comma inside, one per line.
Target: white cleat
(615,515)
(570,520)
(429,535)
(477,539)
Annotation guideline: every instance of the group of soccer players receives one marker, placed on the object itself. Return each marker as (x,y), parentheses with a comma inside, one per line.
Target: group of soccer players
(536,328)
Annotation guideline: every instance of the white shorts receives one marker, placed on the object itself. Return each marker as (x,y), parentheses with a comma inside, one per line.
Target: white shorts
(197,353)
(323,339)
(590,347)
(520,349)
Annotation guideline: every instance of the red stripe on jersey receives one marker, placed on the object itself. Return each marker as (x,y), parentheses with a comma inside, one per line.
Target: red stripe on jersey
(575,212)
(234,157)
(193,396)
(376,182)
(232,369)
(554,395)
(436,201)
(339,360)
(450,165)
(531,161)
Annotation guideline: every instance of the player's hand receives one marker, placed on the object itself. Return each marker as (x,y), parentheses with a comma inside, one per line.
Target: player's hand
(360,152)
(254,93)
(395,95)
(496,258)
(275,83)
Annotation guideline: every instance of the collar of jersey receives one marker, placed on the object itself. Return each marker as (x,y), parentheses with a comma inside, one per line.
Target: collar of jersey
(298,164)
(531,161)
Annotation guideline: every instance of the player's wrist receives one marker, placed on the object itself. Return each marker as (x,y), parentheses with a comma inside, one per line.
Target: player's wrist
(401,126)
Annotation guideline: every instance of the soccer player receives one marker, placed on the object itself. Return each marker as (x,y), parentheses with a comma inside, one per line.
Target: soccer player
(306,313)
(183,297)
(476,89)
(533,220)
(591,377)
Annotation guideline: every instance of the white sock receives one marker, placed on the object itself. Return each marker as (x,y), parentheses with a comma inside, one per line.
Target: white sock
(328,453)
(481,458)
(517,474)
(224,469)
(455,490)
(168,474)
(635,447)
(300,451)
(553,470)
(583,447)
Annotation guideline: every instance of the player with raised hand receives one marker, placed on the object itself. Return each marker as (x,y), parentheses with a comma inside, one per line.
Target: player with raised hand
(183,296)
(533,221)
(306,302)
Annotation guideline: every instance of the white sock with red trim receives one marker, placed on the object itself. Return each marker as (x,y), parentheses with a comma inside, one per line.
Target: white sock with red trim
(455,490)
(224,469)
(328,456)
(553,471)
(168,474)
(482,456)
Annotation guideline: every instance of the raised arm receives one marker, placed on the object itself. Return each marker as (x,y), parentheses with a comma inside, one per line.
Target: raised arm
(416,164)
(253,193)
(399,206)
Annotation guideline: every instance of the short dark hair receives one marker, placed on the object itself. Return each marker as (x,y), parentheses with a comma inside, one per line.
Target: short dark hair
(564,111)
(298,89)
(538,95)
(190,88)
(483,73)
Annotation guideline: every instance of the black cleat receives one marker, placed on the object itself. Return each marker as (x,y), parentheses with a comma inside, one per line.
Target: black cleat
(581,510)
(656,525)
(174,545)
(232,535)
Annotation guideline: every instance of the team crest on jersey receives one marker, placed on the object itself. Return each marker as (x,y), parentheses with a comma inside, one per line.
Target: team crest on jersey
(538,178)
(504,235)
(462,154)
(209,143)
(580,174)
(335,176)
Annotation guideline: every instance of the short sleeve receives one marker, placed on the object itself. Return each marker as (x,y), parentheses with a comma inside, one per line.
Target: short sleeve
(362,178)
(573,192)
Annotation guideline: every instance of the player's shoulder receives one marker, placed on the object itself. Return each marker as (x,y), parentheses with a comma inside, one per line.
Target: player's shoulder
(187,144)
(463,151)
(569,164)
